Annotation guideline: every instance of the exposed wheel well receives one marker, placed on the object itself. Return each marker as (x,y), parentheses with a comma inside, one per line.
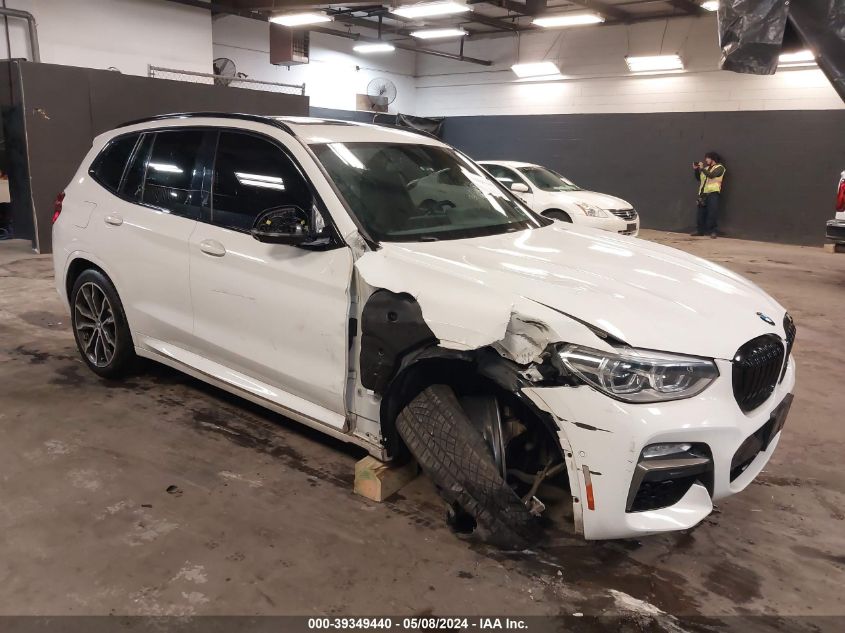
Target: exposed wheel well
(460,371)
(532,441)
(76,268)
(557,214)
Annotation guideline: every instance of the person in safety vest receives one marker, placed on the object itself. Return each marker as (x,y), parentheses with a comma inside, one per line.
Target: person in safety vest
(710,174)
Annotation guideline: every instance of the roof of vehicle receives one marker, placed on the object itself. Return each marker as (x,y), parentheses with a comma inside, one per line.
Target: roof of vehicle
(507,163)
(310,130)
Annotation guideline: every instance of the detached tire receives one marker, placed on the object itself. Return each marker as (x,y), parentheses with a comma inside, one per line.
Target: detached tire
(455,457)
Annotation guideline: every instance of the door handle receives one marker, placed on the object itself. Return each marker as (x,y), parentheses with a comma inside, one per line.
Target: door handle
(114,220)
(213,248)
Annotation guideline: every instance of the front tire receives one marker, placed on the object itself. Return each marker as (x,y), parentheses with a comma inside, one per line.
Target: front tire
(99,325)
(455,457)
(557,214)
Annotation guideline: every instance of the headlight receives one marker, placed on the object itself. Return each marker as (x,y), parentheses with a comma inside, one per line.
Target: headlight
(637,375)
(590,210)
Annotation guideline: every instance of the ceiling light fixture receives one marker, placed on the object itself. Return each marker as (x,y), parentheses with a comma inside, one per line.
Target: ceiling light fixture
(652,63)
(536,69)
(568,19)
(710,5)
(300,19)
(797,58)
(375,47)
(430,9)
(431,34)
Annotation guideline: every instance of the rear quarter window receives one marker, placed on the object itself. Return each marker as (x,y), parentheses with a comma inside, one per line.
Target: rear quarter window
(107,169)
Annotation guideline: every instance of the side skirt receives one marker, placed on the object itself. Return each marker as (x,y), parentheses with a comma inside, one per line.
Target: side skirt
(326,427)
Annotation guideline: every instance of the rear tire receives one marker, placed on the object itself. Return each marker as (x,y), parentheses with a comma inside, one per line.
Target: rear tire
(456,458)
(99,325)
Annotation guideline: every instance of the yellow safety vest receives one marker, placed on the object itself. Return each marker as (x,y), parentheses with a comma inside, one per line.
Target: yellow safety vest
(711,185)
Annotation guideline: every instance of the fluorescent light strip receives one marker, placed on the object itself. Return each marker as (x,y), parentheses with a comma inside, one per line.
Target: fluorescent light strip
(536,69)
(300,19)
(798,58)
(568,19)
(431,34)
(710,5)
(260,180)
(381,47)
(653,63)
(430,9)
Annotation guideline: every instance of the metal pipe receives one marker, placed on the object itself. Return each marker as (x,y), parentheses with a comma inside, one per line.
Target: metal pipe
(404,47)
(33,29)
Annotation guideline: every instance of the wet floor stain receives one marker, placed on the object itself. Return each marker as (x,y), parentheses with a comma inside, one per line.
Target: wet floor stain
(733,581)
(804,551)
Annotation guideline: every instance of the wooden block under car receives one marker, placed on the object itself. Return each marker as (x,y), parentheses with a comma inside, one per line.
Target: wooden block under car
(378,480)
(834,248)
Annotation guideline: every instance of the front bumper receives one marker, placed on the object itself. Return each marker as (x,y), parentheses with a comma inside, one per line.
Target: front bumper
(836,231)
(612,223)
(603,440)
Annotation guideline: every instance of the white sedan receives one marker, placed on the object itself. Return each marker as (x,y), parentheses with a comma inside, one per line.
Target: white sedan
(554,196)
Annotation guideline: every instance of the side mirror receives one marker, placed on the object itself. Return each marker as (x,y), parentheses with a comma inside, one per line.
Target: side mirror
(283,225)
(519,187)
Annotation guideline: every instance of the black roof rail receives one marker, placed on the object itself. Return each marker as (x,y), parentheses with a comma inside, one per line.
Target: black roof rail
(257,118)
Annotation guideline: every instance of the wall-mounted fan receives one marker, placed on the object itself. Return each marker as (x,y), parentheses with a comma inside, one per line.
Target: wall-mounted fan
(226,71)
(381,93)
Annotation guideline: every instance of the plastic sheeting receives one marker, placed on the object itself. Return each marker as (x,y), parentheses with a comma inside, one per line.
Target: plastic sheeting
(751,34)
(821,25)
(431,125)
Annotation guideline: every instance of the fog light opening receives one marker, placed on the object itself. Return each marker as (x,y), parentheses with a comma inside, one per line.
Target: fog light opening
(662,450)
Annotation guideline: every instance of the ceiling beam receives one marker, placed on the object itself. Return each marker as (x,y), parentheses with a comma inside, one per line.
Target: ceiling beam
(536,7)
(607,11)
(498,23)
(688,6)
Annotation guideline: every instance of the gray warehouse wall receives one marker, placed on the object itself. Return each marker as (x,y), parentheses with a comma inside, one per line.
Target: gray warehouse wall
(783,166)
(53,112)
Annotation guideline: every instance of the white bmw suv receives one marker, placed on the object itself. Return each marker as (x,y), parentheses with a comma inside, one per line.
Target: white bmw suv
(377,285)
(554,196)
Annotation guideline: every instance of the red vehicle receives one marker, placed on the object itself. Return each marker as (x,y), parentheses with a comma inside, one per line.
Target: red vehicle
(836,227)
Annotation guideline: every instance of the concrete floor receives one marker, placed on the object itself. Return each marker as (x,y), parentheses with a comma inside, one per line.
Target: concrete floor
(262,519)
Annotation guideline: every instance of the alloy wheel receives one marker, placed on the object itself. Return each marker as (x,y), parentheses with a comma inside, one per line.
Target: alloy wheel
(95,324)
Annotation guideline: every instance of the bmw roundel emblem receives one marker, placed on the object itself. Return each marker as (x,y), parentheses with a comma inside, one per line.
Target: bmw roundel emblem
(766,318)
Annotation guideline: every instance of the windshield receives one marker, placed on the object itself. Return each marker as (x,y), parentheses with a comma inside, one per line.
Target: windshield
(409,192)
(548,180)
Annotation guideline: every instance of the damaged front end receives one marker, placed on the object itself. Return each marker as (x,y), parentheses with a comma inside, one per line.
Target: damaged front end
(404,350)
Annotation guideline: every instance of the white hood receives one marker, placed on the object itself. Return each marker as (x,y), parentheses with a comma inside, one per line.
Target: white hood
(600,200)
(645,294)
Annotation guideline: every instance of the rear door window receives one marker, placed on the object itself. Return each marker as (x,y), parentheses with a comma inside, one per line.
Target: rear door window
(110,164)
(175,172)
(133,182)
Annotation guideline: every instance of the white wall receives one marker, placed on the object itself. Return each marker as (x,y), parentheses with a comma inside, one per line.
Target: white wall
(592,58)
(126,34)
(335,73)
